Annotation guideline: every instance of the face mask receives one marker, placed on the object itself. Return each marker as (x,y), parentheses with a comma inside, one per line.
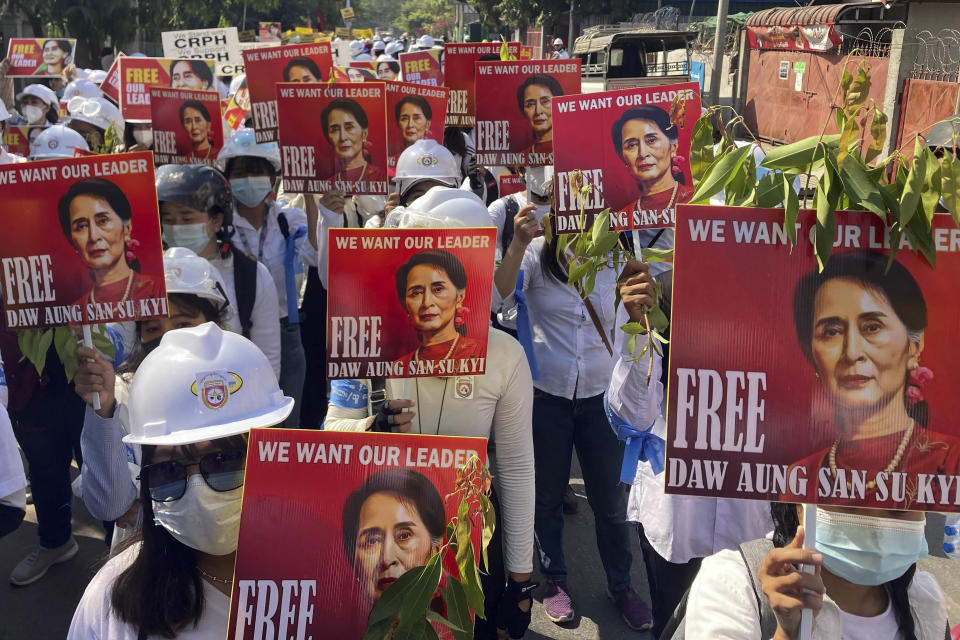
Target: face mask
(150,345)
(59,93)
(143,137)
(866,550)
(203,519)
(33,114)
(188,236)
(251,191)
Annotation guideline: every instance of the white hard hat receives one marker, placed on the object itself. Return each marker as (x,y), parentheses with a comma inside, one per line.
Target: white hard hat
(97,76)
(203,383)
(4,114)
(236,83)
(388,39)
(425,41)
(379,44)
(558,41)
(81,87)
(441,207)
(99,112)
(42,91)
(394,48)
(57,141)
(383,57)
(355,47)
(426,160)
(244,143)
(539,180)
(186,272)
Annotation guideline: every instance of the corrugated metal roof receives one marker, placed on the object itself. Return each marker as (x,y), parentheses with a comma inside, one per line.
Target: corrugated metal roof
(822,14)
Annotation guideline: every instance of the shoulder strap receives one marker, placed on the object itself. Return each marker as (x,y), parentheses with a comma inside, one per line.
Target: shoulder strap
(512,207)
(674,628)
(245,284)
(753,553)
(283,224)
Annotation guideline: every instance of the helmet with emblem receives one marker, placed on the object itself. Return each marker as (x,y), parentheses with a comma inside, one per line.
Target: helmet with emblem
(426,160)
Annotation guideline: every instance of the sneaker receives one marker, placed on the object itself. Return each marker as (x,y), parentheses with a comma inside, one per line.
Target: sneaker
(557,603)
(569,501)
(633,609)
(35,565)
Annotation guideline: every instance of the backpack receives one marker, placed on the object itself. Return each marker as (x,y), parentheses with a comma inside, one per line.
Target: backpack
(513,208)
(753,553)
(245,285)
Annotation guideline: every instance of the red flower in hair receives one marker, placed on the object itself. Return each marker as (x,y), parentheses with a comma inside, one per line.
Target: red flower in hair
(131,248)
(676,164)
(461,317)
(917,378)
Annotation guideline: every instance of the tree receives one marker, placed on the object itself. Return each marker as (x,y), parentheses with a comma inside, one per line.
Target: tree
(432,16)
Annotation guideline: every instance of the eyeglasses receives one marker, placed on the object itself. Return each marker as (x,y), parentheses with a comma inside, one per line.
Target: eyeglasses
(221,470)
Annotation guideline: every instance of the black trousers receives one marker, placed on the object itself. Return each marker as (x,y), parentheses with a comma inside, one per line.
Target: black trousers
(493,579)
(668,582)
(313,334)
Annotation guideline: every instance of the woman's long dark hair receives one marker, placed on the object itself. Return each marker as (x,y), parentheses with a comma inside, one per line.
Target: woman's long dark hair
(548,259)
(785,523)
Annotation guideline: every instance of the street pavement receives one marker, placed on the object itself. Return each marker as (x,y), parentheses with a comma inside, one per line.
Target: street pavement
(42,611)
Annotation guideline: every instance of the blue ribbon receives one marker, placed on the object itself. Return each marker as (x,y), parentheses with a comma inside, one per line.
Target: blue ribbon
(641,446)
(524,332)
(289,275)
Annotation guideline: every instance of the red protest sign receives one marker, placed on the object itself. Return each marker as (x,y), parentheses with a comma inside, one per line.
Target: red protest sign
(634,145)
(510,183)
(138,75)
(329,572)
(804,386)
(422,67)
(111,82)
(236,109)
(414,112)
(514,119)
(407,303)
(352,74)
(333,136)
(459,76)
(187,126)
(17,139)
(84,247)
(270,32)
(39,57)
(266,67)
(526,53)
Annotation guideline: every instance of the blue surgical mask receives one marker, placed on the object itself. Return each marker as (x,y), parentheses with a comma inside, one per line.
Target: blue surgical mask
(188,236)
(867,550)
(251,191)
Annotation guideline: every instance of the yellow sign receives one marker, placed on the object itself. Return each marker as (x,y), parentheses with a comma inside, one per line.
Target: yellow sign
(347,13)
(304,31)
(363,34)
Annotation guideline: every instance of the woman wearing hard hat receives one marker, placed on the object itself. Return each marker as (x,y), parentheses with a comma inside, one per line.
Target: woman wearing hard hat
(192,403)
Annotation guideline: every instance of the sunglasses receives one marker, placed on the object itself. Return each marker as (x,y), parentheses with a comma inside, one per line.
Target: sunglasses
(221,470)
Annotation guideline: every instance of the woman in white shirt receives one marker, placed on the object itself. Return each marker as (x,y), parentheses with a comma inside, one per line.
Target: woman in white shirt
(571,341)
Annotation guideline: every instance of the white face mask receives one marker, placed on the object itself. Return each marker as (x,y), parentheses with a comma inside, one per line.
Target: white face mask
(33,114)
(189,236)
(203,519)
(143,137)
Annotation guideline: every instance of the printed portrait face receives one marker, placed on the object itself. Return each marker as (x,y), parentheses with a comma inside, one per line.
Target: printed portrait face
(646,150)
(183,77)
(431,298)
(302,74)
(345,134)
(97,233)
(52,53)
(413,123)
(536,107)
(197,126)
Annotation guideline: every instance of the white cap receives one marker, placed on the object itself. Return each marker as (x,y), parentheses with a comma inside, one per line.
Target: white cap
(244,143)
(355,47)
(81,87)
(42,91)
(394,48)
(57,141)
(383,57)
(441,207)
(97,76)
(539,180)
(99,112)
(426,160)
(203,383)
(558,41)
(186,272)
(425,41)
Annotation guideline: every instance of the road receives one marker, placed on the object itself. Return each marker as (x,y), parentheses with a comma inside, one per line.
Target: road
(42,611)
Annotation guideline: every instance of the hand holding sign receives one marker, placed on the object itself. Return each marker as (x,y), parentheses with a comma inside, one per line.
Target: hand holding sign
(636,289)
(789,590)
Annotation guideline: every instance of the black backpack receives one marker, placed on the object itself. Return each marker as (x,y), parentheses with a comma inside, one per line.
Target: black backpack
(513,208)
(245,280)
(753,553)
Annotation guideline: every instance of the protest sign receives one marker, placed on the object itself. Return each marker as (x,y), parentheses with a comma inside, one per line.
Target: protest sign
(342,32)
(633,145)
(110,86)
(459,76)
(414,112)
(392,289)
(187,127)
(235,110)
(291,63)
(270,32)
(247,35)
(220,45)
(812,387)
(347,13)
(333,137)
(510,183)
(138,75)
(352,74)
(363,34)
(422,67)
(39,57)
(381,491)
(17,139)
(56,271)
(514,124)
(526,53)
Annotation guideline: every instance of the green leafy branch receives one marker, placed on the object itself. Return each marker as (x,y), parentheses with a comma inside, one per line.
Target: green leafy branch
(404,611)
(34,344)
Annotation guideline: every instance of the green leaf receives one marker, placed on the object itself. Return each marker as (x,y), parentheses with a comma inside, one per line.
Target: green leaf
(633,328)
(912,188)
(659,337)
(653,254)
(589,282)
(856,95)
(950,185)
(701,147)
(632,344)
(770,190)
(826,225)
(417,598)
(469,576)
(34,344)
(791,208)
(797,156)
(878,133)
(930,194)
(722,171)
(657,318)
(457,610)
(845,81)
(603,245)
(743,188)
(433,616)
(102,342)
(66,345)
(895,233)
(847,135)
(489,526)
(391,600)
(863,192)
(920,237)
(601,225)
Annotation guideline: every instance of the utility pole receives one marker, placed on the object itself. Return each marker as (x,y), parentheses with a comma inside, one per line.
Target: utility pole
(570,29)
(719,38)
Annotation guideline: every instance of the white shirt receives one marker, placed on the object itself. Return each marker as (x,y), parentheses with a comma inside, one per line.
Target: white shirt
(722,606)
(501,409)
(679,528)
(95,619)
(12,479)
(247,239)
(265,332)
(498,212)
(560,55)
(571,357)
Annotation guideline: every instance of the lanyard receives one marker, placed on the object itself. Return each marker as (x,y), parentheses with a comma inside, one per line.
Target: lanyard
(263,238)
